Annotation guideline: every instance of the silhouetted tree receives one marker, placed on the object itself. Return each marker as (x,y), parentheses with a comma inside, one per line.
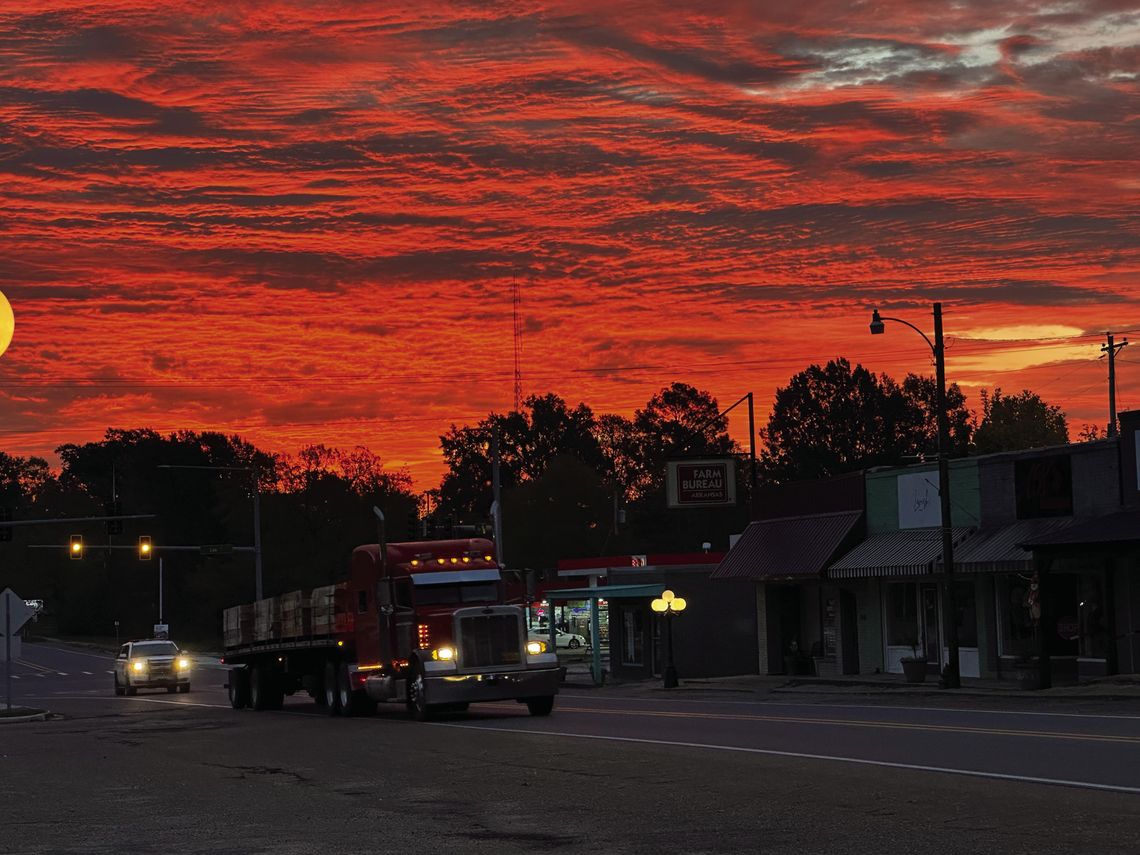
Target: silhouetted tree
(834,419)
(1014,422)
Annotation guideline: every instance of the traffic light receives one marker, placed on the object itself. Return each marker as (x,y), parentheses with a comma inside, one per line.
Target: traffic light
(113,509)
(5,531)
(146,549)
(76,549)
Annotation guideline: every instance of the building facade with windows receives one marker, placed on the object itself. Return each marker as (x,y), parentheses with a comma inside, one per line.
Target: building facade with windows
(1047,559)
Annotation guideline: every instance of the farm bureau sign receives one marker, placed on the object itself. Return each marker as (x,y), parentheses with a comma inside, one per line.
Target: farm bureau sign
(701,483)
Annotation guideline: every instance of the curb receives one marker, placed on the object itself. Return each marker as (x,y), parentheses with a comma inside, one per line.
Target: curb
(42,715)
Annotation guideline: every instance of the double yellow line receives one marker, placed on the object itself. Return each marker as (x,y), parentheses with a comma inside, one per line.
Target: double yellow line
(842,722)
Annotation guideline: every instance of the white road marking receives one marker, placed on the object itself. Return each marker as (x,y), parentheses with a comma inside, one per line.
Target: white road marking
(879,707)
(1028,779)
(110,672)
(88,673)
(62,673)
(68,650)
(15,676)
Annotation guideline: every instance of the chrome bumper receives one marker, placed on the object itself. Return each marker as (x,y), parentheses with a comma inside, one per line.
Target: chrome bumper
(497,686)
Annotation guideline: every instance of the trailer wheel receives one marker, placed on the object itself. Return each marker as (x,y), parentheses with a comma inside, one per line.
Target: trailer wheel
(264,690)
(332,696)
(238,688)
(540,706)
(416,697)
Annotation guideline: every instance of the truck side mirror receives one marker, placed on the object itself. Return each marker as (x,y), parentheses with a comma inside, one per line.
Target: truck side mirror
(383,595)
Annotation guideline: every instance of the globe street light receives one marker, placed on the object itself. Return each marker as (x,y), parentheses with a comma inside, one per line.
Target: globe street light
(951,676)
(670,606)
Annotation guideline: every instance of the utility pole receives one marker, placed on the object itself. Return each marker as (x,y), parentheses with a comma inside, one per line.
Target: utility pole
(751,460)
(1112,349)
(496,490)
(951,675)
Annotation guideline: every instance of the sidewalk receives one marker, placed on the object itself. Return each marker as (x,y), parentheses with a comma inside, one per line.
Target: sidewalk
(1121,687)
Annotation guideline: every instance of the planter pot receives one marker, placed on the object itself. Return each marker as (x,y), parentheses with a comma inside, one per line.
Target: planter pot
(1028,676)
(915,670)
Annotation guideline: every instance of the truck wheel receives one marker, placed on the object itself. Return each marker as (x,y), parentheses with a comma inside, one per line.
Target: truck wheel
(184,688)
(238,688)
(332,696)
(344,699)
(119,690)
(416,698)
(540,706)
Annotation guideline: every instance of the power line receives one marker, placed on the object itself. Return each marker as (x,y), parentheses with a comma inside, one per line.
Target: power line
(448,378)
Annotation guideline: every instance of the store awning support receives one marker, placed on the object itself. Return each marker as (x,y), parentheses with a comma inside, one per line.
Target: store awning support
(595,637)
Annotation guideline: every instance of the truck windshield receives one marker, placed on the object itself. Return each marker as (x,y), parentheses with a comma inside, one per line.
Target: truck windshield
(471,592)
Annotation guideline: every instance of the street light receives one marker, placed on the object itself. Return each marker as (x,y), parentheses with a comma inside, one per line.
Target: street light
(951,676)
(256,512)
(670,606)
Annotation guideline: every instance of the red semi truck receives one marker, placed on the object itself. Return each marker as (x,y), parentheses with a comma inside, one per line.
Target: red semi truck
(424,623)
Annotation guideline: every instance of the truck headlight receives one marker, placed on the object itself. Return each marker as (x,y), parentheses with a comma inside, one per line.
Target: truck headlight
(535,647)
(183,664)
(138,665)
(443,654)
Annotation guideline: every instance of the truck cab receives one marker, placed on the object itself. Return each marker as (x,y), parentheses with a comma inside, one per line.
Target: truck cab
(431,618)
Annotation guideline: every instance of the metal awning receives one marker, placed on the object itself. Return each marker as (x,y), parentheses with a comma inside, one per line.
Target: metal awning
(607,592)
(909,552)
(997,550)
(1119,527)
(455,577)
(788,547)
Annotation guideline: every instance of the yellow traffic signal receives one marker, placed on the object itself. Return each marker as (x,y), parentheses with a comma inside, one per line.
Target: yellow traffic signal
(146,549)
(76,550)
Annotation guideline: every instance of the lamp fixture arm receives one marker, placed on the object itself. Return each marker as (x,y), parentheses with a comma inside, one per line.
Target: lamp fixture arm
(925,338)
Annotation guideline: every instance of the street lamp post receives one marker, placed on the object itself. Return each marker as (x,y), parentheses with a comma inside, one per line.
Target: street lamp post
(256,512)
(670,606)
(951,675)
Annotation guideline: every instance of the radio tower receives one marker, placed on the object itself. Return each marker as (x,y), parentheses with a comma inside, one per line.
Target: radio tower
(516,300)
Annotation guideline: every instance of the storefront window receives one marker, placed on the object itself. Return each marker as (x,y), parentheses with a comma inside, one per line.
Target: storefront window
(967,607)
(1018,632)
(902,614)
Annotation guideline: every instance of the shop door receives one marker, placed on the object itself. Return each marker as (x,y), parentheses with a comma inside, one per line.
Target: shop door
(931,624)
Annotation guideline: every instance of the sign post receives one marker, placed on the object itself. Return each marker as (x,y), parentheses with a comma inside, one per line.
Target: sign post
(16,614)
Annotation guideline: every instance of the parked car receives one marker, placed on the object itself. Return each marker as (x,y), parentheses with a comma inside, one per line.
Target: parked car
(561,639)
(152,663)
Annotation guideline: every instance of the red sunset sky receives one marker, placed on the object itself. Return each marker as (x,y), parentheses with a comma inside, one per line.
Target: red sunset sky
(301,221)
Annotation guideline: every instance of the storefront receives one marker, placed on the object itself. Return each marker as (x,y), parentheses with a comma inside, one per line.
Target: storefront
(569,616)
(1085,611)
(804,626)
(911,595)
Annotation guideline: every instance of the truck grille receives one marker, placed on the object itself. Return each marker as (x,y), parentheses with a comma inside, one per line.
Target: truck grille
(488,641)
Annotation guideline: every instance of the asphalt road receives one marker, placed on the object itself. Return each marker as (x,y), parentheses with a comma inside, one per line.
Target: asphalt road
(610,771)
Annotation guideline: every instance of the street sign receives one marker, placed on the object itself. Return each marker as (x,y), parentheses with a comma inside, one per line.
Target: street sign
(216,549)
(162,630)
(14,612)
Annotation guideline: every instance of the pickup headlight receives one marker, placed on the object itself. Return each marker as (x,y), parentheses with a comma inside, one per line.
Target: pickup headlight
(183,663)
(535,647)
(138,665)
(443,654)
